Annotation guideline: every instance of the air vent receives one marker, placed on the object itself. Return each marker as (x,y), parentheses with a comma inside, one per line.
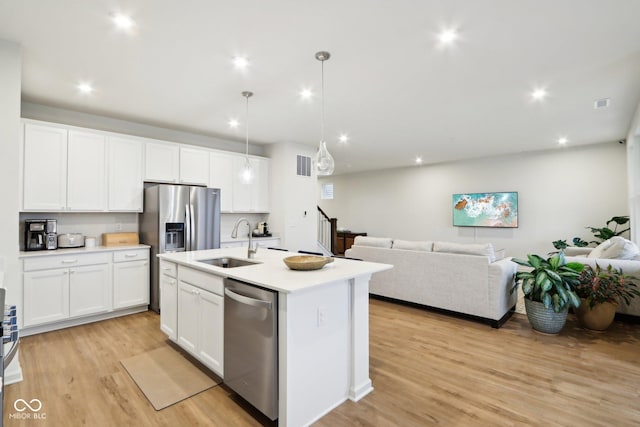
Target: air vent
(303,166)
(602,103)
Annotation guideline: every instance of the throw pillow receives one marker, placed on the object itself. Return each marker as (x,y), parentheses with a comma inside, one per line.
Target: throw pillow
(466,249)
(412,246)
(378,242)
(615,248)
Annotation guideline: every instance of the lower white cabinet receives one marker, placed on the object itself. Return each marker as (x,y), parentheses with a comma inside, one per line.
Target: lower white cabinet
(201,317)
(169,306)
(130,278)
(46,296)
(89,290)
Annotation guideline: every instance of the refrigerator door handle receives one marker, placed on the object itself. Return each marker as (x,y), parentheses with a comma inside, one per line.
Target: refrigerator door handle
(187,223)
(192,238)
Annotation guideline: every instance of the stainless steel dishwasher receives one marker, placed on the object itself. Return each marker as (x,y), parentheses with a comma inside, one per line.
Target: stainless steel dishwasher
(251,344)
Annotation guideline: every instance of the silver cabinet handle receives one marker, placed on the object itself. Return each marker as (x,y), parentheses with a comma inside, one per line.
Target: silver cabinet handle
(247,300)
(130,255)
(69,261)
(66,272)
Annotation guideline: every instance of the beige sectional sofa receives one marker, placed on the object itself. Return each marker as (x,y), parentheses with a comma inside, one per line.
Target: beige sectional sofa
(469,279)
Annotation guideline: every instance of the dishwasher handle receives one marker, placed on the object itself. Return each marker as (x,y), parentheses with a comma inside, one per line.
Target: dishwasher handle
(247,300)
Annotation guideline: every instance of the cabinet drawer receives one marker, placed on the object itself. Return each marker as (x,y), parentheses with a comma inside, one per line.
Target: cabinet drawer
(202,280)
(168,269)
(131,255)
(62,261)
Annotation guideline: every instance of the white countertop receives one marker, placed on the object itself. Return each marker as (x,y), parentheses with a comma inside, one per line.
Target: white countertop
(246,238)
(82,250)
(271,272)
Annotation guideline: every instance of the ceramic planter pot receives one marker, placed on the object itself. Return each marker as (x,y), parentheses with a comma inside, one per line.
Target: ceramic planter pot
(599,317)
(544,319)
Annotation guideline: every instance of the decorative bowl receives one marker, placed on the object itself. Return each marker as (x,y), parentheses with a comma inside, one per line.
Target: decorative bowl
(306,262)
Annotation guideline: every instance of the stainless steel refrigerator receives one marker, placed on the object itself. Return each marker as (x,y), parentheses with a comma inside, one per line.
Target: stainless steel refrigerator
(178,218)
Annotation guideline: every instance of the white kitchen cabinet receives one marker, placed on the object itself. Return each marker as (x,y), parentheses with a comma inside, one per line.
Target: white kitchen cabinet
(89,290)
(252,197)
(162,162)
(221,176)
(168,300)
(44,183)
(211,330)
(46,296)
(86,178)
(124,174)
(188,317)
(201,316)
(130,278)
(194,166)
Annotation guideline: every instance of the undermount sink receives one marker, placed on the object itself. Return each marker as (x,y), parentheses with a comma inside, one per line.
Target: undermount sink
(227,262)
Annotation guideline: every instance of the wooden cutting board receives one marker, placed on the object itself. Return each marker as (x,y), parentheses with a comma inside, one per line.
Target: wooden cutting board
(120,239)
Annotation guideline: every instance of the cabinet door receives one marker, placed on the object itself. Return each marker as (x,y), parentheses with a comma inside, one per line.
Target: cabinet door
(125,174)
(187,317)
(260,192)
(221,176)
(46,296)
(89,289)
(161,162)
(210,336)
(44,168)
(169,306)
(194,166)
(241,190)
(130,284)
(86,178)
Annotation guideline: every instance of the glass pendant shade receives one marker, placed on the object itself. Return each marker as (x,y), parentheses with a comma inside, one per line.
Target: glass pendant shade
(324,160)
(246,173)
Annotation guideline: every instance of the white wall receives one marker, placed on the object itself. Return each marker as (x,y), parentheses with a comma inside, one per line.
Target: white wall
(10,85)
(560,192)
(633,166)
(294,209)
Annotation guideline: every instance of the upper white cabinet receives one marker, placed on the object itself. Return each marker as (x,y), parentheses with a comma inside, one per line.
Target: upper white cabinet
(86,179)
(252,197)
(221,176)
(125,174)
(162,162)
(44,168)
(194,166)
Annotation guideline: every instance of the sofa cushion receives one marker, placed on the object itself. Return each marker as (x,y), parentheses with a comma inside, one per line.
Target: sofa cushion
(615,248)
(378,242)
(412,246)
(485,249)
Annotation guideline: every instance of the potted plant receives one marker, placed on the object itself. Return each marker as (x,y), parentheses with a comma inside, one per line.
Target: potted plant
(601,290)
(548,290)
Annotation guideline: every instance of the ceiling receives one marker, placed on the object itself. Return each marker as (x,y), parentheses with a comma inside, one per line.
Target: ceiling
(390,85)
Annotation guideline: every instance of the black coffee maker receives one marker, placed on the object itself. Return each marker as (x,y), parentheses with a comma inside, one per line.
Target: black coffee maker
(40,234)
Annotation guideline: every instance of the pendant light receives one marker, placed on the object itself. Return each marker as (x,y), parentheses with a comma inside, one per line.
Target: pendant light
(324,161)
(246,173)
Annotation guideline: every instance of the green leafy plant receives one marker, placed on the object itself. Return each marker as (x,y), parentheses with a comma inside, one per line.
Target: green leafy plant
(602,234)
(551,281)
(606,285)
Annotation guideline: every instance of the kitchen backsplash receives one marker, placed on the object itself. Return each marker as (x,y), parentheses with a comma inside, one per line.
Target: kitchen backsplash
(94,224)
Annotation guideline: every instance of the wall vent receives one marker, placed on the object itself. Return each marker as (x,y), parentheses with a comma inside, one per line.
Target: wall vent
(601,103)
(303,166)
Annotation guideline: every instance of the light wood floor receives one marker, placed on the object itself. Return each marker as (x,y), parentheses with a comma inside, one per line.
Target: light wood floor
(427,369)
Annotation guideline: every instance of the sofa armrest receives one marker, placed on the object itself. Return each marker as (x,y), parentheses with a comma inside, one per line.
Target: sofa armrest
(575,251)
(501,275)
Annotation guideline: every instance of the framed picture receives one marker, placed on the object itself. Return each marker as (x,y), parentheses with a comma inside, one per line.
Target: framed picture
(486,210)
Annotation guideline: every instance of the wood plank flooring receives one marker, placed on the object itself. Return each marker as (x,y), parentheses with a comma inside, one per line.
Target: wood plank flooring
(427,369)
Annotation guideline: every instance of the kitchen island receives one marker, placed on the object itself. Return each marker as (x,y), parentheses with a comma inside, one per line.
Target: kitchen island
(323,326)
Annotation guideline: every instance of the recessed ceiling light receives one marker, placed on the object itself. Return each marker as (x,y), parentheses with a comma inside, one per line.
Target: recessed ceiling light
(306,93)
(448,36)
(418,160)
(240,62)
(85,88)
(602,103)
(123,22)
(234,123)
(343,137)
(539,94)
(563,140)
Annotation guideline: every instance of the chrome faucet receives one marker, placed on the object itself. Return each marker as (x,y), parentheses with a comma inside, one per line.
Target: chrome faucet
(234,234)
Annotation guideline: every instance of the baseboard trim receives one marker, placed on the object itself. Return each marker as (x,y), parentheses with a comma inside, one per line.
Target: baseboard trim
(627,318)
(496,324)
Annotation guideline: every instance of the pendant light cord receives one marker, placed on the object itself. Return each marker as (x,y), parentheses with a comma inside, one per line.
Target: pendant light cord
(247,129)
(322,103)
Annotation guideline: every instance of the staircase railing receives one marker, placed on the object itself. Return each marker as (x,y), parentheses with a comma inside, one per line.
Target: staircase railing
(327,230)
